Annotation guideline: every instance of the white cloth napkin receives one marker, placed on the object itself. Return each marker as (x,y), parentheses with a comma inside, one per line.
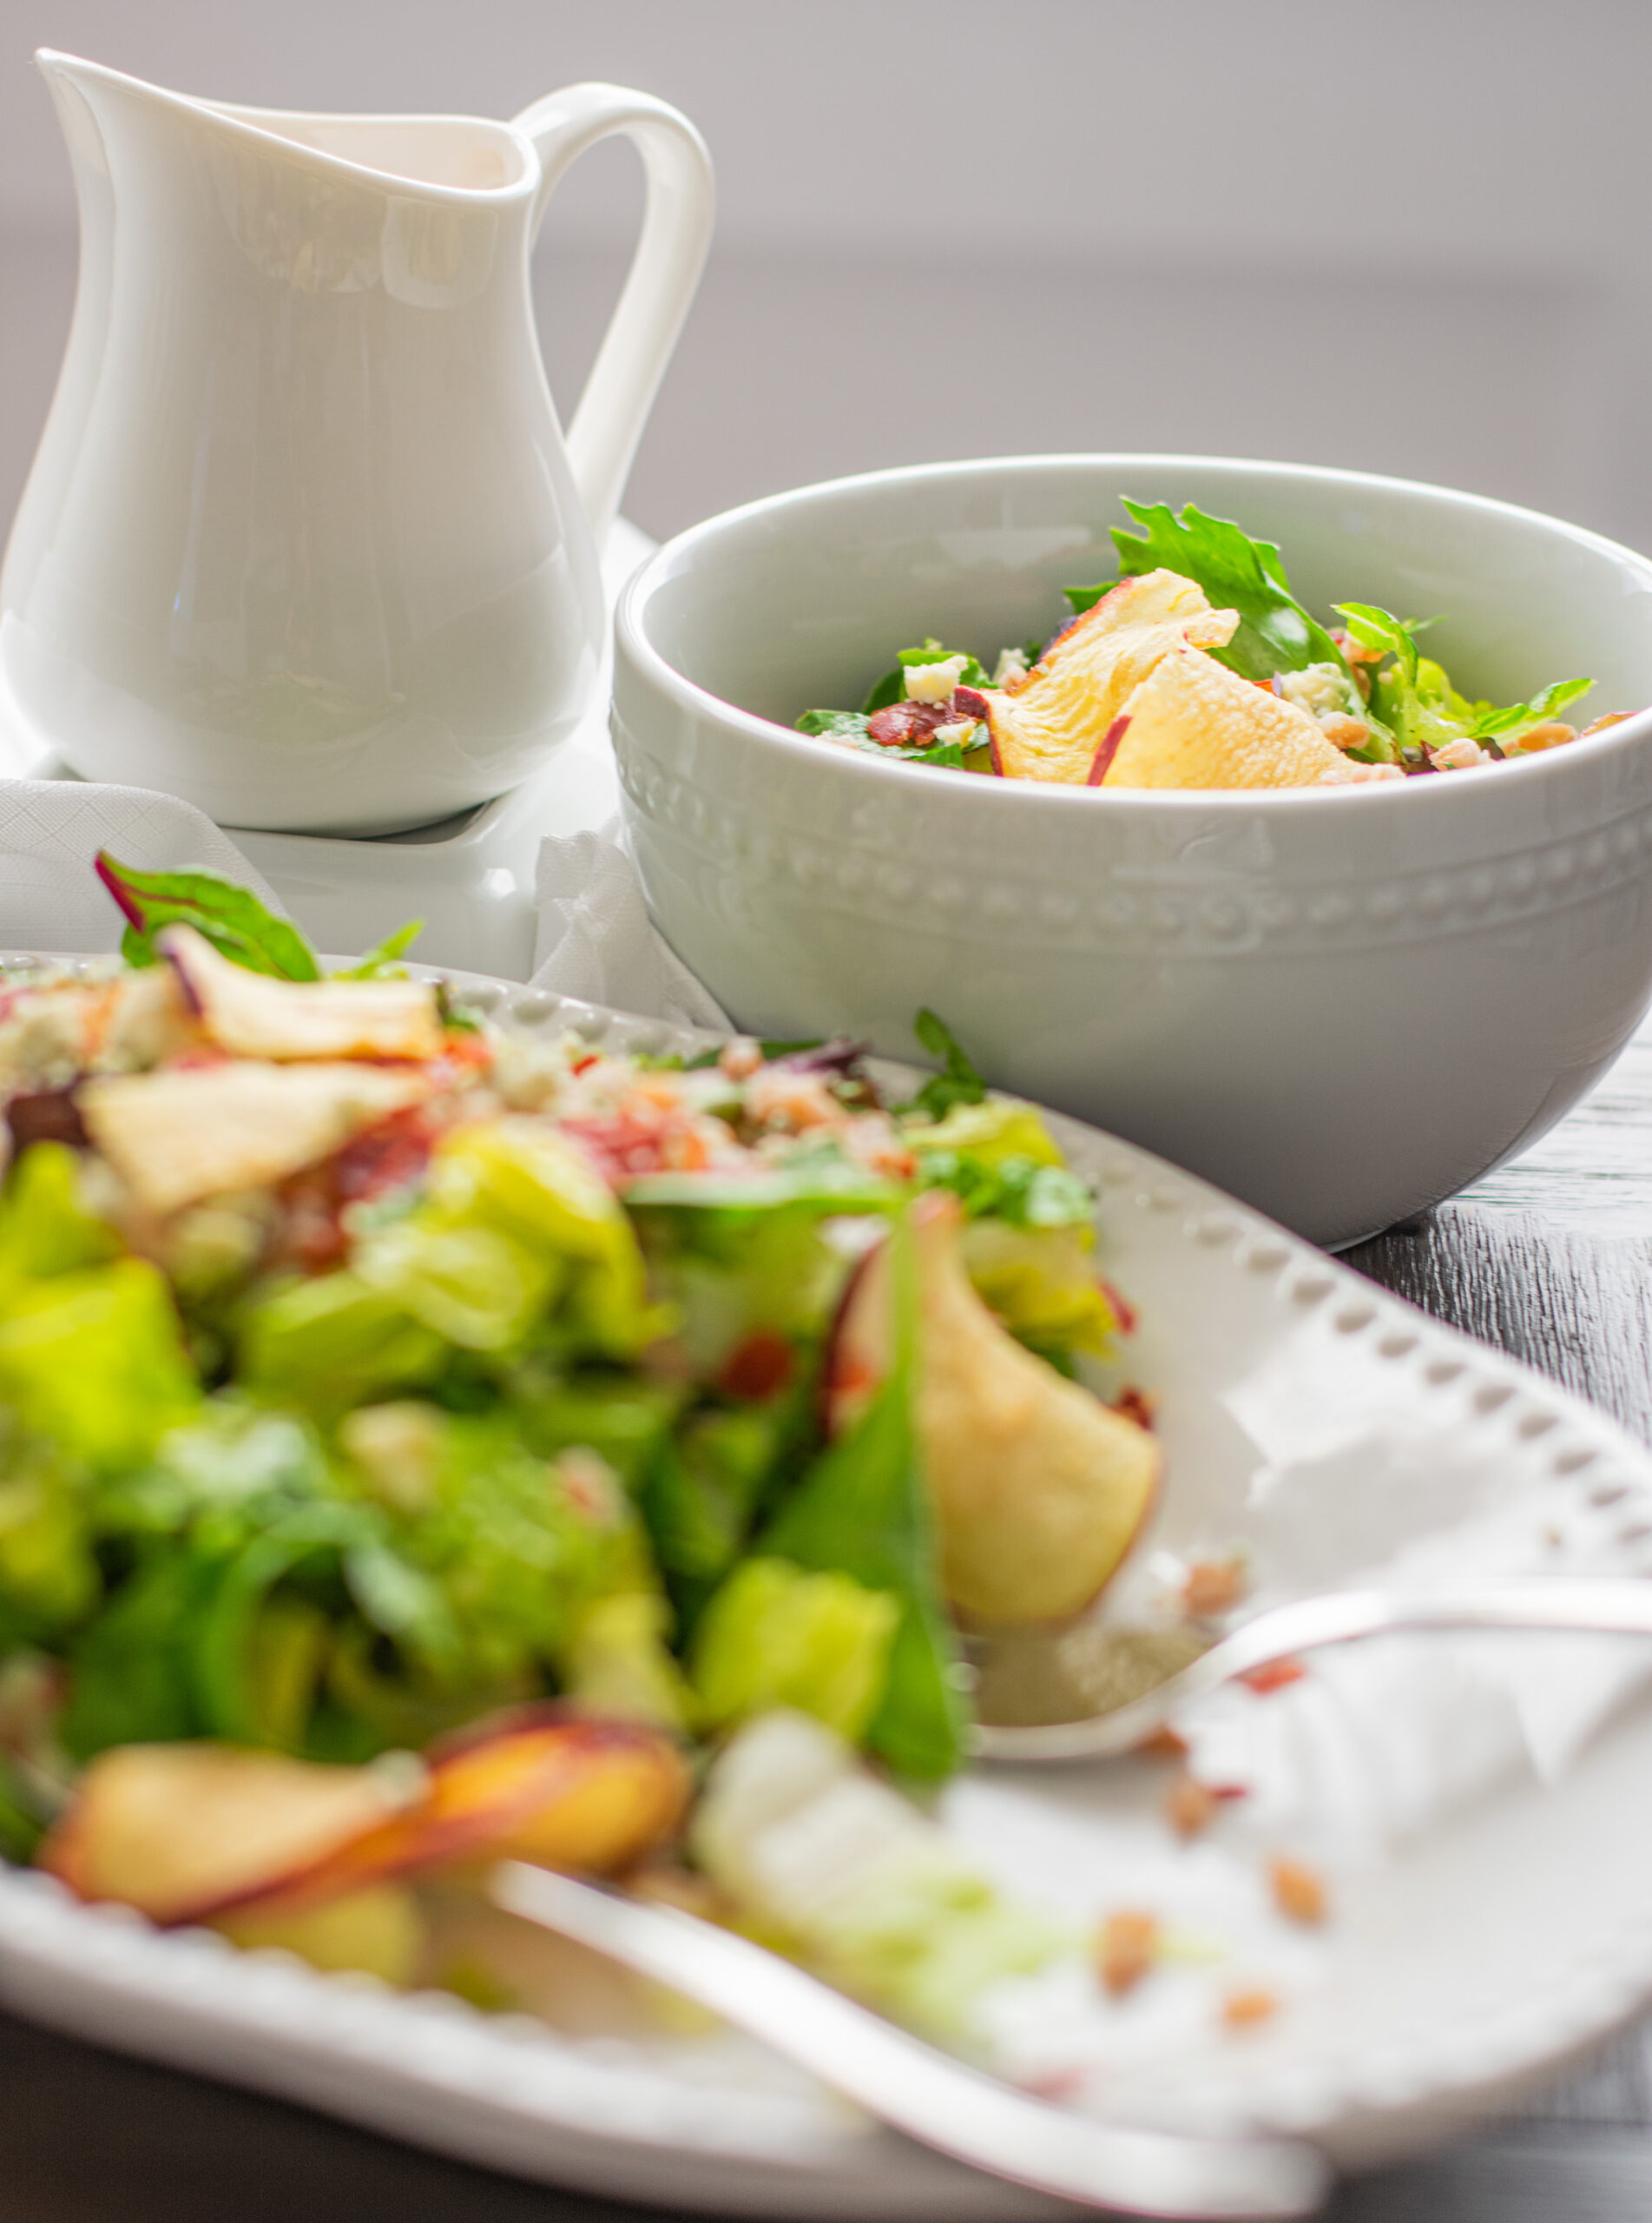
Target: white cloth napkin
(1379,1740)
(51,830)
(596,942)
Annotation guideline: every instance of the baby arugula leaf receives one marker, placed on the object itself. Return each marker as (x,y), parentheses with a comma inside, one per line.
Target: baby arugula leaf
(1492,724)
(381,959)
(232,919)
(849,727)
(1276,633)
(837,725)
(958,1083)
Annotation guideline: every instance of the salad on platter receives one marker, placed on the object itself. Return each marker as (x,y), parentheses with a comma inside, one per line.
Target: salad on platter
(1197,667)
(422,1441)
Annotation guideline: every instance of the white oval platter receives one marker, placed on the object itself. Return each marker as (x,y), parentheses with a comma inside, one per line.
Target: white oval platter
(1323,1427)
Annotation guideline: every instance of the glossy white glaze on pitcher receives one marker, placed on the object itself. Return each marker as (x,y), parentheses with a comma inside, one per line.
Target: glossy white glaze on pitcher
(303,542)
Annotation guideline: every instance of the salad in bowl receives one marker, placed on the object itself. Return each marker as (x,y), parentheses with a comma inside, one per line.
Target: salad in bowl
(1198,668)
(421,1441)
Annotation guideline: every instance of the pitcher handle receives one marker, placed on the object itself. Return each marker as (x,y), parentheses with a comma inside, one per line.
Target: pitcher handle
(607,425)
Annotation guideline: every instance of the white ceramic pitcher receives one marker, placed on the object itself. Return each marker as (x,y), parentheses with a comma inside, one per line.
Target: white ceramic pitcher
(303,542)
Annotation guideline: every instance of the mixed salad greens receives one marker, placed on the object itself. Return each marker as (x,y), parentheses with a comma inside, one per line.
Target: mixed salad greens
(376,1382)
(1198,667)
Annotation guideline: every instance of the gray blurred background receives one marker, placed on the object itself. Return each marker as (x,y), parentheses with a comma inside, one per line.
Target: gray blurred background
(1409,235)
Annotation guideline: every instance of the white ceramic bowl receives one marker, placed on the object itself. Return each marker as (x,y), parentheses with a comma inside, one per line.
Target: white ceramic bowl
(1341,1005)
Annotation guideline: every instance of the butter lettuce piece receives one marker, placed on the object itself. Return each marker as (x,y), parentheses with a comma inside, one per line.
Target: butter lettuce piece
(48,1577)
(94,1361)
(989,1131)
(472,1284)
(624,1420)
(617,1662)
(856,1880)
(862,1509)
(526,1182)
(330,1343)
(515,1227)
(1040,1282)
(1275,632)
(45,1228)
(773,1635)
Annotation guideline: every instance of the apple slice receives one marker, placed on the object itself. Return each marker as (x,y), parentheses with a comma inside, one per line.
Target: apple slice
(193,1832)
(596,1794)
(251,1015)
(1051,726)
(191,1131)
(180,1831)
(1039,1489)
(1193,723)
(538,1784)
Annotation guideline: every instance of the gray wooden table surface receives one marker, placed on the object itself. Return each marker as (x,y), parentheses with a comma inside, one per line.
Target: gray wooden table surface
(1552,1259)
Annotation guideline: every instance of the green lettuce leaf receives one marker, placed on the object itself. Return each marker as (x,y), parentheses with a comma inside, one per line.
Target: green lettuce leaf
(862,1509)
(527,1184)
(728,1266)
(876,1897)
(1042,1283)
(113,1326)
(332,1341)
(472,1284)
(1276,633)
(232,919)
(45,1228)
